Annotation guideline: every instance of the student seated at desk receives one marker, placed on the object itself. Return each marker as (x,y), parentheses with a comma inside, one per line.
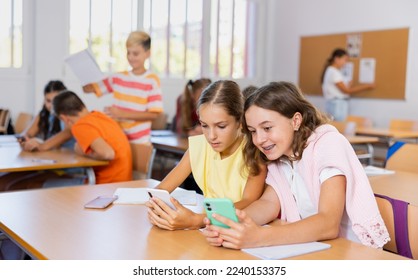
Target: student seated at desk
(98,136)
(47,131)
(315,181)
(186,121)
(215,159)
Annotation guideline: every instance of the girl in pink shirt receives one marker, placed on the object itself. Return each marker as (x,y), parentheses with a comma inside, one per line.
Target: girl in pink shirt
(315,181)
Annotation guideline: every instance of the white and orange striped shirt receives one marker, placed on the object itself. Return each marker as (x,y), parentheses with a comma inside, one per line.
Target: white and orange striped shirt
(136,93)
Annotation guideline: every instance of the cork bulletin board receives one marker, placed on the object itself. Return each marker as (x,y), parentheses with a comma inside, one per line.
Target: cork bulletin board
(388,48)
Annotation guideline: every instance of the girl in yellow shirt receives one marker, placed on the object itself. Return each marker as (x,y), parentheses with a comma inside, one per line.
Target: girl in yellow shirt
(215,159)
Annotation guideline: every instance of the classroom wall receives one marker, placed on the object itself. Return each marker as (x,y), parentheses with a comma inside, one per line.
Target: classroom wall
(305,18)
(281,23)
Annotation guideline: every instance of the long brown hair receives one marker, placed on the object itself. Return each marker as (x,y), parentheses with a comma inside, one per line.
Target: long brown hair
(188,104)
(286,99)
(47,128)
(226,94)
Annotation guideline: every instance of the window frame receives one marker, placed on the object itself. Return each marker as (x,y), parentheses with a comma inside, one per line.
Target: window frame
(27,40)
(205,64)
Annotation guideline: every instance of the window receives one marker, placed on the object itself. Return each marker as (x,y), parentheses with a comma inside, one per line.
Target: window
(11,50)
(229,30)
(103,26)
(190,38)
(176,29)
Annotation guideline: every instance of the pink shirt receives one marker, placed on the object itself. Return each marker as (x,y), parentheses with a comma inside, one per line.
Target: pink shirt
(327,148)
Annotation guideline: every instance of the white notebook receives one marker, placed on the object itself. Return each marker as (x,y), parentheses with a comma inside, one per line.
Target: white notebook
(286,251)
(373,170)
(140,196)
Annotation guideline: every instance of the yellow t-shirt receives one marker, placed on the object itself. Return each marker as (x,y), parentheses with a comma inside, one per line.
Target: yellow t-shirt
(216,177)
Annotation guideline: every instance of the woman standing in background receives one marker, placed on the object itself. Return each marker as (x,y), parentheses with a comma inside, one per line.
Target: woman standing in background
(335,88)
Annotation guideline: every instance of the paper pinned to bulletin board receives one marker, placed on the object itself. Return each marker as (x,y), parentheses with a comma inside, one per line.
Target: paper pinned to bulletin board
(348,71)
(367,70)
(354,42)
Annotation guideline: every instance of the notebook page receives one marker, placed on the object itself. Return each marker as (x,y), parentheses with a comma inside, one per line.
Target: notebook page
(286,251)
(140,196)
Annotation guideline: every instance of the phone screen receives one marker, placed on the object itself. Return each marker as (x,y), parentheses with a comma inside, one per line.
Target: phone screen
(100,202)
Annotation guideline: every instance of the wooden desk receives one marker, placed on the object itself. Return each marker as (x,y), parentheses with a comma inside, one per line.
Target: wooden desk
(13,159)
(52,224)
(167,141)
(400,185)
(387,135)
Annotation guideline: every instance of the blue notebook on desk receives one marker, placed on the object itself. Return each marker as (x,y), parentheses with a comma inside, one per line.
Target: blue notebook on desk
(286,251)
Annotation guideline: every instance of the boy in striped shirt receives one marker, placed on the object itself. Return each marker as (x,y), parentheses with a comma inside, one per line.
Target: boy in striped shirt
(136,93)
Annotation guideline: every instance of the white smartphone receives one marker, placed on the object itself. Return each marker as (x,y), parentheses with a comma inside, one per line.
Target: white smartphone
(101,202)
(161,194)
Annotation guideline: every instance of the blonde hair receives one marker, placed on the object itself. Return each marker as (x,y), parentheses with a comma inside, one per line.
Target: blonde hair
(139,38)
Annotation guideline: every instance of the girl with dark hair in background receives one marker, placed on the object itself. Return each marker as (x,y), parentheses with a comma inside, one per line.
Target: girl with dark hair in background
(47,131)
(186,121)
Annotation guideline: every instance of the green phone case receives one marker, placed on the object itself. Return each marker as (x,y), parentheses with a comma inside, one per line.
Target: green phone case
(221,206)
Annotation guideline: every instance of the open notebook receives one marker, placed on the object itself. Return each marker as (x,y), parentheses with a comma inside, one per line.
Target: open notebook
(140,196)
(286,251)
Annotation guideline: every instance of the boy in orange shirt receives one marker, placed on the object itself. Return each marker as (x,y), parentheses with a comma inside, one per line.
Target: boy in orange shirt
(98,136)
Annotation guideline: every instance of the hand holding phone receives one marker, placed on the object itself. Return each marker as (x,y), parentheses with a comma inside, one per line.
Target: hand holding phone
(161,194)
(221,206)
(101,202)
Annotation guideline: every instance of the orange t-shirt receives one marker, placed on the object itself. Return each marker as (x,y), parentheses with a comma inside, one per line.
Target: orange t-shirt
(95,125)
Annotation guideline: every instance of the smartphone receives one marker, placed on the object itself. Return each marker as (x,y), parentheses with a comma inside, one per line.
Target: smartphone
(101,202)
(161,194)
(221,206)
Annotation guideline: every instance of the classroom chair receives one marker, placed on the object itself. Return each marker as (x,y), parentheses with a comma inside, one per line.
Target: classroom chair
(9,250)
(403,125)
(348,128)
(4,120)
(360,121)
(22,122)
(344,127)
(142,160)
(401,220)
(402,156)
